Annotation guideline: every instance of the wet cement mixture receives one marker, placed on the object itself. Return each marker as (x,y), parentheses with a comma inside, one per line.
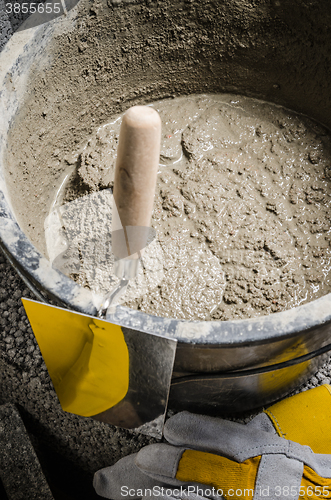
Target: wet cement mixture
(242,218)
(241,213)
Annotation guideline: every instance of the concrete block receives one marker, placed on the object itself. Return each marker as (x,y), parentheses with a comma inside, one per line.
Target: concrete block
(20,470)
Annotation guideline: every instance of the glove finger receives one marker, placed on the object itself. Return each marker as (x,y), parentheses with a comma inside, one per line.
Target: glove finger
(123,479)
(223,437)
(203,474)
(201,432)
(261,422)
(160,462)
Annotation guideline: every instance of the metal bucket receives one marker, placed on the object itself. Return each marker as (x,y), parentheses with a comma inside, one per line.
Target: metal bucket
(279,51)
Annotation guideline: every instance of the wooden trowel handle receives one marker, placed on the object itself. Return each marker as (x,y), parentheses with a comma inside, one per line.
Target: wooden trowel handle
(135,173)
(137,164)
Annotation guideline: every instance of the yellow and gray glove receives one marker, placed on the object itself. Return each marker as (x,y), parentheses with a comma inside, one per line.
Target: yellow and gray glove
(283,453)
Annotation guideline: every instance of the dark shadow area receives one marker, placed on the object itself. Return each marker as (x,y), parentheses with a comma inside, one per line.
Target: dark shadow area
(66,480)
(3,495)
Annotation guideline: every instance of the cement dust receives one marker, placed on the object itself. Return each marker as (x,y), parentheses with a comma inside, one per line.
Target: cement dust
(242,209)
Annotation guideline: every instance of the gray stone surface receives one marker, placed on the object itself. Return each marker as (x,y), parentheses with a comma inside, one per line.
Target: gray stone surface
(6,29)
(20,469)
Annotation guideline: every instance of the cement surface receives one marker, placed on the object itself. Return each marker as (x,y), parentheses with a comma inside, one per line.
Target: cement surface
(116,54)
(241,211)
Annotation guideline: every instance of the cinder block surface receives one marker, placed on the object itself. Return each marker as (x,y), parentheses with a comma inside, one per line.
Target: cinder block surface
(20,470)
(6,29)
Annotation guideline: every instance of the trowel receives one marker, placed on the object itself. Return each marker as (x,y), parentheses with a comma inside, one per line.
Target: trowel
(102,370)
(78,237)
(99,369)
(134,189)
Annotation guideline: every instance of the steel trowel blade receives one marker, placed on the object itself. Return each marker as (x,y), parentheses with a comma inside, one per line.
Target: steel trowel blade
(104,371)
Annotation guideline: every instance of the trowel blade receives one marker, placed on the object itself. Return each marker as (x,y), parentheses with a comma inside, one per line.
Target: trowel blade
(104,371)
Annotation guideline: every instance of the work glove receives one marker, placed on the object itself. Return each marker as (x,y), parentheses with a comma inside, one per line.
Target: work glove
(282,453)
